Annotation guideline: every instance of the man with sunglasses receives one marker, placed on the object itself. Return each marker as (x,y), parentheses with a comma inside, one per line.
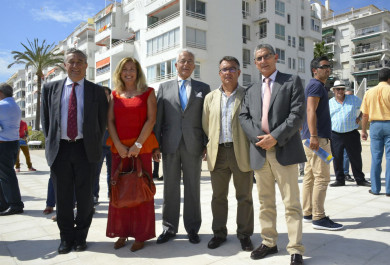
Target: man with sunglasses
(317,128)
(343,109)
(271,115)
(227,154)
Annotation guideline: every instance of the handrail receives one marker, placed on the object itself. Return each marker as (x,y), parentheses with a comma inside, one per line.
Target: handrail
(163,20)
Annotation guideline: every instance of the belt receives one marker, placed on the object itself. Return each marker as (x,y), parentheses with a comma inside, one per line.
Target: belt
(9,141)
(228,145)
(71,141)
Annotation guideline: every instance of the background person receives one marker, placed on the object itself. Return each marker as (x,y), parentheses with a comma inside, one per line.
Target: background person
(131,117)
(23,134)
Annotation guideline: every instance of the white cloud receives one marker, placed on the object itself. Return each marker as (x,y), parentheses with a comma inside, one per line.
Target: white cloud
(6,59)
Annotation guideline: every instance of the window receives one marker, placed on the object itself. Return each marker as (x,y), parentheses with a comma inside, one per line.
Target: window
(137,36)
(245,33)
(345,49)
(194,7)
(163,42)
(281,55)
(293,65)
(293,42)
(301,44)
(245,9)
(279,32)
(279,8)
(262,6)
(289,63)
(288,18)
(246,80)
(103,23)
(197,70)
(161,71)
(301,65)
(246,57)
(289,40)
(315,25)
(196,38)
(263,30)
(302,23)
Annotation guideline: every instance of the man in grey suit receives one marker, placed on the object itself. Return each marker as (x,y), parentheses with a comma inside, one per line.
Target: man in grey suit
(74,117)
(271,115)
(182,142)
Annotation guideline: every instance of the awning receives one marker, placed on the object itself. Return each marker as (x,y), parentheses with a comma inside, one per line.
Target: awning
(163,8)
(366,72)
(364,37)
(102,63)
(51,71)
(327,32)
(375,56)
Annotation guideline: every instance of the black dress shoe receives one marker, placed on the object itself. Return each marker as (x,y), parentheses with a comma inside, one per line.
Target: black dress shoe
(65,247)
(193,237)
(11,211)
(387,194)
(296,259)
(246,244)
(337,184)
(215,242)
(349,178)
(165,236)
(263,251)
(364,183)
(78,247)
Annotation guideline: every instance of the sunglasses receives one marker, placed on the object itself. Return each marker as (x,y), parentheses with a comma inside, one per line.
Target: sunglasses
(324,66)
(339,88)
(265,57)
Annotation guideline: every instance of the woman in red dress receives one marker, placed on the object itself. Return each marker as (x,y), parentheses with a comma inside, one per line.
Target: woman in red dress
(131,117)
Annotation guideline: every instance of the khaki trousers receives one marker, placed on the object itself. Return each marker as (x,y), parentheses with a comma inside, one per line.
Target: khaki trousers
(315,182)
(287,180)
(26,153)
(225,166)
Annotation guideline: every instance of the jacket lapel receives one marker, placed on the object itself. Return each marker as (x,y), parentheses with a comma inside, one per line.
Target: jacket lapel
(192,94)
(275,89)
(56,103)
(88,98)
(237,101)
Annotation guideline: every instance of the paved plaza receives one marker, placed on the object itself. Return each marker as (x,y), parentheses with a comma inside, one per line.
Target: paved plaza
(33,238)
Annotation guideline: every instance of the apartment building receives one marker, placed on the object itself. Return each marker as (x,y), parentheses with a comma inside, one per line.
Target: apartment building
(18,83)
(360,41)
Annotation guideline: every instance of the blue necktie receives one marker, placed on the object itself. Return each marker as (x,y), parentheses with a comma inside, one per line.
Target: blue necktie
(183,95)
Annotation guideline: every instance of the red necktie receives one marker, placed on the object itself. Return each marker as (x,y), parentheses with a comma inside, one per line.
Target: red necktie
(72,114)
(266,101)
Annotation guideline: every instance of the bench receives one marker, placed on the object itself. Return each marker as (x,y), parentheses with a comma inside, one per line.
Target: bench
(35,144)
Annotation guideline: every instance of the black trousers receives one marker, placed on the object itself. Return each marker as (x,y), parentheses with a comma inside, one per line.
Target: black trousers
(73,174)
(351,142)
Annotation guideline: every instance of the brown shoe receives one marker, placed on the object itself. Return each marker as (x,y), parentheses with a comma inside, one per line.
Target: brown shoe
(48,210)
(120,243)
(137,245)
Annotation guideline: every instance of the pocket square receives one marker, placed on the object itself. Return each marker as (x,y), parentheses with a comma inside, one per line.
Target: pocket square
(199,95)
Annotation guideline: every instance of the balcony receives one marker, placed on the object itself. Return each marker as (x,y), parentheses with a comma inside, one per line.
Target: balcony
(329,39)
(163,20)
(368,47)
(162,78)
(123,47)
(196,45)
(369,32)
(368,66)
(196,15)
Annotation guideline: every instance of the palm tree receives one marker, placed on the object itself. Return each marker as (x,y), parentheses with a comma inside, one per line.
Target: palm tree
(320,49)
(39,56)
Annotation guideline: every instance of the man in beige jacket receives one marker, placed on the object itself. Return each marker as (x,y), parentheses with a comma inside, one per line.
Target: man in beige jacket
(227,153)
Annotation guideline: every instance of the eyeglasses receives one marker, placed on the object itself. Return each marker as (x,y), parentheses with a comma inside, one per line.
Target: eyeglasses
(265,57)
(339,88)
(230,70)
(324,66)
(186,61)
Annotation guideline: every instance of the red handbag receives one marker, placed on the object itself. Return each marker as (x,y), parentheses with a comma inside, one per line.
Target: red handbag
(130,189)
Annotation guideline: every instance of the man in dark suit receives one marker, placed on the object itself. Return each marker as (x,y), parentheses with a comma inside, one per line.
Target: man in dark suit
(182,142)
(271,115)
(74,117)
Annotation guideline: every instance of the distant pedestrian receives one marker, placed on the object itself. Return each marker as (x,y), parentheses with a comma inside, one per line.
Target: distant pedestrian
(23,134)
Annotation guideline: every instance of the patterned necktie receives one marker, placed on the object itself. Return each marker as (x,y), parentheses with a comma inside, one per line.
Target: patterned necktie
(183,95)
(72,114)
(266,101)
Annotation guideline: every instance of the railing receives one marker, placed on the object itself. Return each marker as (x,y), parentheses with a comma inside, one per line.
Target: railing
(196,45)
(329,39)
(245,64)
(163,50)
(245,14)
(245,39)
(195,15)
(280,37)
(100,71)
(302,48)
(163,20)
(162,77)
(121,41)
(367,66)
(262,35)
(369,47)
(368,30)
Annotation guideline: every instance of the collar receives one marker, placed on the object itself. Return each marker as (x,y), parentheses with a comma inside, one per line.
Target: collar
(69,82)
(179,79)
(272,76)
(233,93)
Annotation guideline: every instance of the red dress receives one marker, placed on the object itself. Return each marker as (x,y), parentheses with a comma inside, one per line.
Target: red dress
(130,116)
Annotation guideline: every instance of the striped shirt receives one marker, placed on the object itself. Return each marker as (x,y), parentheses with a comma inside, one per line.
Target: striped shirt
(343,115)
(227,104)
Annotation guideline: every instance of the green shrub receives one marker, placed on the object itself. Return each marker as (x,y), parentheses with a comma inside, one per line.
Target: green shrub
(37,136)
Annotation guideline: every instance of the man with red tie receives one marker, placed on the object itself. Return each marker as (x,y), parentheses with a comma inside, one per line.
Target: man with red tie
(74,116)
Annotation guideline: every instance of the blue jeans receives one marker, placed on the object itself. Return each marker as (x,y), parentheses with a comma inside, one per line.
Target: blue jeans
(380,139)
(9,185)
(106,153)
(346,163)
(51,197)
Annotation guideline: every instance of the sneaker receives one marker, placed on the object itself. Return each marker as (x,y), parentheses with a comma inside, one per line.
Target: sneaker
(32,169)
(307,218)
(326,224)
(17,170)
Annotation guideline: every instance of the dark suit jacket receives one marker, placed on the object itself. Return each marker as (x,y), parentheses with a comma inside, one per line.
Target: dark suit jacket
(173,123)
(94,124)
(285,116)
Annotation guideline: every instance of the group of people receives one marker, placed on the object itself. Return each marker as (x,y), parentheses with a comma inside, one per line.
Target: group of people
(237,130)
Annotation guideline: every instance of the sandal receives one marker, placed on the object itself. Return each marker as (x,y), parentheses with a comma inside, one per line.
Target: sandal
(137,245)
(120,243)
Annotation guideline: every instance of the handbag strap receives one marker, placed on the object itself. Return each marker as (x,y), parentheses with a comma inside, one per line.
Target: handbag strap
(119,169)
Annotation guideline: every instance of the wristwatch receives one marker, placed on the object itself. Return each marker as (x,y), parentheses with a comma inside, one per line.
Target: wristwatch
(138,145)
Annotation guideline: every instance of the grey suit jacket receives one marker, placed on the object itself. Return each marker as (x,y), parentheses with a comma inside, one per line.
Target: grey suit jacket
(172,123)
(285,116)
(94,124)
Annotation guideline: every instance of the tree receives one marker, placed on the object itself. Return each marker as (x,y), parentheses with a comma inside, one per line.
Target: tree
(320,49)
(39,56)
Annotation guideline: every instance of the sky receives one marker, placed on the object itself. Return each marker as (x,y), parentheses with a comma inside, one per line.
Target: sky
(54,20)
